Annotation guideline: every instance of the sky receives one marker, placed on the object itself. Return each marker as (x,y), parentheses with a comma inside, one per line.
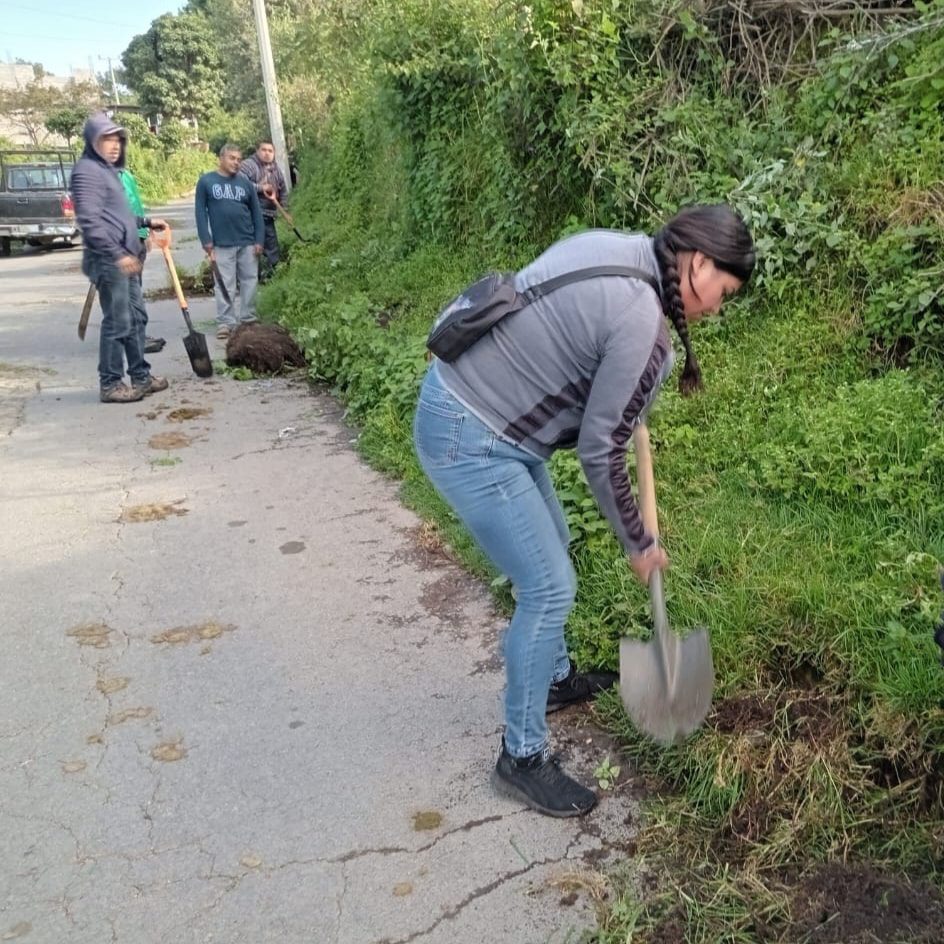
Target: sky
(64,33)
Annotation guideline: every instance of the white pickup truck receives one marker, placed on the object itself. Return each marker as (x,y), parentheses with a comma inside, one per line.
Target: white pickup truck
(35,205)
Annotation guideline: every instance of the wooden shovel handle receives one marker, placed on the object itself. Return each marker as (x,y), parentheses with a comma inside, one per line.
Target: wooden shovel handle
(86,311)
(173,276)
(282,210)
(645,480)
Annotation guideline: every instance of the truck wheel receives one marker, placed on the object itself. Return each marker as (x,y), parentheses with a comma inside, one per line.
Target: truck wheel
(6,247)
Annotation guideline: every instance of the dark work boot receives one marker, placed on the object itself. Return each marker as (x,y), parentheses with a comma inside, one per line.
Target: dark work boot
(539,782)
(578,686)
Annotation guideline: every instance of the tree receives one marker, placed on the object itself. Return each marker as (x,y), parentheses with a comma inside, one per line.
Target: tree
(27,108)
(66,121)
(234,37)
(174,67)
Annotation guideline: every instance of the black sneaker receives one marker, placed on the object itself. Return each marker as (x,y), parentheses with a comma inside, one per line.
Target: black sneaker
(539,782)
(578,686)
(154,345)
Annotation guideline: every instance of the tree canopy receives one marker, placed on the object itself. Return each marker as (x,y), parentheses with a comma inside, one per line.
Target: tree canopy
(175,67)
(66,121)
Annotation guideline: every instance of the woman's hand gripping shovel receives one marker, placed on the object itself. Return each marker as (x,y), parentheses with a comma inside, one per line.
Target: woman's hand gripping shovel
(194,342)
(667,682)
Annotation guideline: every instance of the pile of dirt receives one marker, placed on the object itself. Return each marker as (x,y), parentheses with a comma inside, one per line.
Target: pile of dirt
(855,904)
(263,348)
(809,715)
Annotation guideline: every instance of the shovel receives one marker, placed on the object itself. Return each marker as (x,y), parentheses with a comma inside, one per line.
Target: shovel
(665,683)
(194,343)
(288,219)
(86,311)
(218,280)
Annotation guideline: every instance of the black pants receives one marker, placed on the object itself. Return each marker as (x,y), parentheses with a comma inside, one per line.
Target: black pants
(270,246)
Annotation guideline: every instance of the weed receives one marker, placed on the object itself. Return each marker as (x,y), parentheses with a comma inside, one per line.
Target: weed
(606,774)
(236,373)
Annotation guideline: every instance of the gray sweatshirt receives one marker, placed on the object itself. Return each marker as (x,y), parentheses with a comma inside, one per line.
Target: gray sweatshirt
(577,367)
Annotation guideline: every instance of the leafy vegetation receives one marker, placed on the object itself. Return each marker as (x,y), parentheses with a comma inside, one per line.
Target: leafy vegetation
(174,67)
(222,369)
(161,175)
(67,121)
(801,496)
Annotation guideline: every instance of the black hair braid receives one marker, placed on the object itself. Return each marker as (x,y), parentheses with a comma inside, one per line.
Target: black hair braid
(690,380)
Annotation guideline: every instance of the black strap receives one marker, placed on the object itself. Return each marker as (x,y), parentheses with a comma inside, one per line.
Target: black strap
(534,292)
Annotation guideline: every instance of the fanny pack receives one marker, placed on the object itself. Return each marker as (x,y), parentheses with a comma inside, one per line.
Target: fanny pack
(474,312)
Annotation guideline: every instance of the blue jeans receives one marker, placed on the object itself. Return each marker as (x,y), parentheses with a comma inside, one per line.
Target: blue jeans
(124,319)
(505,498)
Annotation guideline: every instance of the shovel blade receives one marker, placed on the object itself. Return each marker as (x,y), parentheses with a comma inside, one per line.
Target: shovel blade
(199,354)
(666,683)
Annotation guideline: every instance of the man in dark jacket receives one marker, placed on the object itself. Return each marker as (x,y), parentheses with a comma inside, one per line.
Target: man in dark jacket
(112,258)
(269,182)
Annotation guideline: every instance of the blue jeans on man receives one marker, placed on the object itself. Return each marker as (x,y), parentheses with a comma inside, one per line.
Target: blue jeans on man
(505,497)
(124,319)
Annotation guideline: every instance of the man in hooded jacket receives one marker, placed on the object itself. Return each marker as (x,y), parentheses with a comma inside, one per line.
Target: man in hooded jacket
(266,175)
(112,258)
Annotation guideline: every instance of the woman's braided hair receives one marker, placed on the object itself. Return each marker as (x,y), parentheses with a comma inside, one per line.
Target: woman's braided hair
(720,234)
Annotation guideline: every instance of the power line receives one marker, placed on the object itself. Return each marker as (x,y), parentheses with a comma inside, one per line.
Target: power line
(67,16)
(44,38)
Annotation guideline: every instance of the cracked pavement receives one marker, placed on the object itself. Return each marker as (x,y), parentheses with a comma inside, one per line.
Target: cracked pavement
(276,713)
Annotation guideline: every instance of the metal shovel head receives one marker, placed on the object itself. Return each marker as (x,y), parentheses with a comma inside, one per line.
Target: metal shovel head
(199,354)
(666,683)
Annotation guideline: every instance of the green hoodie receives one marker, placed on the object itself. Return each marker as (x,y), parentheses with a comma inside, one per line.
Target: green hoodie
(134,197)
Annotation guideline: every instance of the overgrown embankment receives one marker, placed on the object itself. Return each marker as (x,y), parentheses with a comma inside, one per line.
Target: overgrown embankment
(801,496)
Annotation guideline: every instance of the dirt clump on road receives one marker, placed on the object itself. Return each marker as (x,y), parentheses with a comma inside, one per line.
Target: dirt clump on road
(135,514)
(184,413)
(169,441)
(182,635)
(90,634)
(263,348)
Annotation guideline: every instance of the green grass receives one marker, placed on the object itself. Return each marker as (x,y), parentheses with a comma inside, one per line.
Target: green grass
(820,598)
(801,500)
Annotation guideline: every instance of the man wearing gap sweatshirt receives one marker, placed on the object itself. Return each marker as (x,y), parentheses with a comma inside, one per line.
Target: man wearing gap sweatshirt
(229,223)
(112,257)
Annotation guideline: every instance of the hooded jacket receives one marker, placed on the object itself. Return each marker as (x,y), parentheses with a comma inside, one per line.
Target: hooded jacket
(109,228)
(261,174)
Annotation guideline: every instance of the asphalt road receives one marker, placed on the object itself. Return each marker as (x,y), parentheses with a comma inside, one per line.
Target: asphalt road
(243,696)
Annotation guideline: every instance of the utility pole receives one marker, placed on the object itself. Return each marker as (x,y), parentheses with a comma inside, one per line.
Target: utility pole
(114,84)
(271,90)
